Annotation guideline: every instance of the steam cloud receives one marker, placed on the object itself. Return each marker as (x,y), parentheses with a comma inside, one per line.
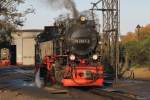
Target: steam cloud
(39,83)
(67,4)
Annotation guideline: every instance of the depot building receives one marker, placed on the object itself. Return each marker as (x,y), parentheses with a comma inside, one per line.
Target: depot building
(24,42)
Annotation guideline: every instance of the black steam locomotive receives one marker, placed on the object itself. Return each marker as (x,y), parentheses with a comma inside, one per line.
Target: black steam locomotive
(66,53)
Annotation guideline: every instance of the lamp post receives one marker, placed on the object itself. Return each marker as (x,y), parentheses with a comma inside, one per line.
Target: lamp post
(138,31)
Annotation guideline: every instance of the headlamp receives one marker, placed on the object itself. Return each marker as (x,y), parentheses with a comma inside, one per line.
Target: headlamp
(95,57)
(83,19)
(72,57)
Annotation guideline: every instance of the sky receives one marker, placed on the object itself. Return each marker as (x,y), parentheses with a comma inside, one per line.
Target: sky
(133,12)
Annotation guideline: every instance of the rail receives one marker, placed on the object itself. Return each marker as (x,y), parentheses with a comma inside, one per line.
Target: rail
(114,94)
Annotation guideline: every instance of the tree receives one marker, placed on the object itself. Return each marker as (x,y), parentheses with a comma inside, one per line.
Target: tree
(129,37)
(137,46)
(10,17)
(144,32)
(135,49)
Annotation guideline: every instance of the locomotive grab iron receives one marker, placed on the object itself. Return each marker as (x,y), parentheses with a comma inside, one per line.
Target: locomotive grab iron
(67,53)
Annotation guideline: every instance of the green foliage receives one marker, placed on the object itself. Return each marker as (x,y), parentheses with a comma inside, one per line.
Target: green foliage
(145,52)
(139,52)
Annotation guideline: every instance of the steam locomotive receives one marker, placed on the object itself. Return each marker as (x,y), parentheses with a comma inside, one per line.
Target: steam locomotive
(4,55)
(7,54)
(67,53)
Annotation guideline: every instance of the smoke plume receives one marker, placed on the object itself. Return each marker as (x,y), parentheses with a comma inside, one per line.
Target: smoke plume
(67,4)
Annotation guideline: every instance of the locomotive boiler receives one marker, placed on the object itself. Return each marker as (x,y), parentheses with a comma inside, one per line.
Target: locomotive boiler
(72,60)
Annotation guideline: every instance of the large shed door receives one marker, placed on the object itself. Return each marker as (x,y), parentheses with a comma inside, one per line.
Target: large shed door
(13,54)
(28,51)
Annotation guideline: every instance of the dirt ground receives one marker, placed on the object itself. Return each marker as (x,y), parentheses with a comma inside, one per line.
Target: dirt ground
(139,73)
(9,95)
(136,87)
(142,73)
(18,84)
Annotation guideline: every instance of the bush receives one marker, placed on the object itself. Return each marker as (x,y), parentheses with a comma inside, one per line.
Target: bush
(139,52)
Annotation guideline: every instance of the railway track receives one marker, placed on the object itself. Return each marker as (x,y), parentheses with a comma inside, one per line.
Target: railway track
(114,94)
(106,94)
(13,77)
